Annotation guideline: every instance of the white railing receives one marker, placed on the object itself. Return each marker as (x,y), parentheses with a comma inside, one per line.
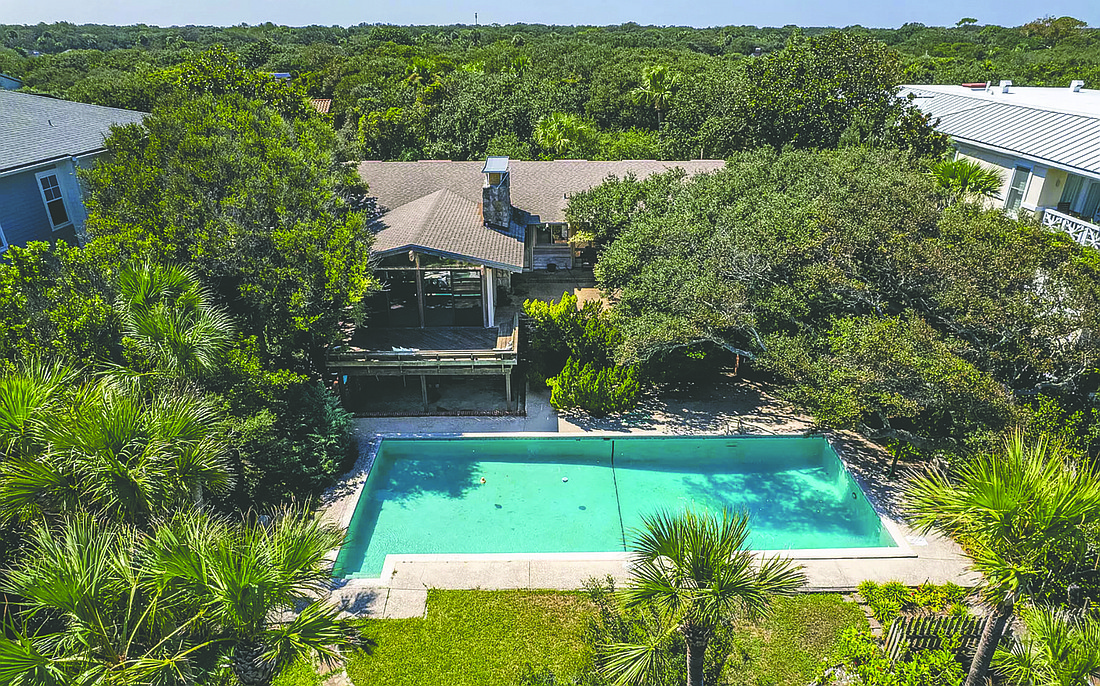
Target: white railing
(1085,233)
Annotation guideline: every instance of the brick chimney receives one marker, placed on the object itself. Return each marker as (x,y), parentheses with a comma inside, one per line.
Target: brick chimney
(496,194)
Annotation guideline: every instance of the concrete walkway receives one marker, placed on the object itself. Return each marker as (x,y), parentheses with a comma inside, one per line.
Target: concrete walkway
(742,408)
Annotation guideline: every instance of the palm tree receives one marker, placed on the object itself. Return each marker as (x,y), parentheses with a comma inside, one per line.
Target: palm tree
(693,570)
(1016,513)
(562,133)
(104,623)
(1059,648)
(659,83)
(171,318)
(239,578)
(112,605)
(30,395)
(966,180)
(420,73)
(119,454)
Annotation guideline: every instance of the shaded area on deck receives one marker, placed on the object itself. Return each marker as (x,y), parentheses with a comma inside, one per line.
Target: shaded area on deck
(434,338)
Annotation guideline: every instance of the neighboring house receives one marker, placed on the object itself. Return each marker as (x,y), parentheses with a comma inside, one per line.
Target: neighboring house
(10,83)
(449,237)
(46,141)
(1045,142)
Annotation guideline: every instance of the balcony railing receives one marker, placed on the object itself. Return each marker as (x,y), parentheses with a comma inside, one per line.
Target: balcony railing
(1085,233)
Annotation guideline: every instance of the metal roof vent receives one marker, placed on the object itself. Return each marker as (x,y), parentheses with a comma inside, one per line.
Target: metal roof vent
(1076,86)
(1005,85)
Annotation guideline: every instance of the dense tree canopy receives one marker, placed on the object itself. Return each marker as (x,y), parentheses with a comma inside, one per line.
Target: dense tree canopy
(448,92)
(255,204)
(839,272)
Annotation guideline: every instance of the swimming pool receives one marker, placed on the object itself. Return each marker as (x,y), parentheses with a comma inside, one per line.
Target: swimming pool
(528,495)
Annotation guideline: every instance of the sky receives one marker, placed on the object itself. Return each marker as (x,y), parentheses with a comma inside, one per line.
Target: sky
(870,13)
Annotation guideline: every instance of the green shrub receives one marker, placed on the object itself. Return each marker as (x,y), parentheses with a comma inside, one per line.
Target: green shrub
(294,448)
(889,600)
(860,656)
(597,391)
(561,330)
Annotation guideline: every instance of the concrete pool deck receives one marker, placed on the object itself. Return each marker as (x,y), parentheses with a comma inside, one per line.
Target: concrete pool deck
(402,591)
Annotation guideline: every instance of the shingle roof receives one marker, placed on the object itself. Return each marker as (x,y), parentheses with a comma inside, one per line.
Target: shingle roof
(36,128)
(538,188)
(446,224)
(1066,139)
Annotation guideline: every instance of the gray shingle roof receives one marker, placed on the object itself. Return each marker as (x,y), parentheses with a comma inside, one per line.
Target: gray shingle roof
(1070,140)
(448,225)
(436,205)
(36,128)
(538,188)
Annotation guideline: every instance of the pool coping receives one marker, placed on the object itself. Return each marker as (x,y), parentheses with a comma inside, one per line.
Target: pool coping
(370,452)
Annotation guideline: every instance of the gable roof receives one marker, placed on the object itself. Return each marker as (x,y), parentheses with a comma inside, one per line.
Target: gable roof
(39,129)
(1058,127)
(445,224)
(537,188)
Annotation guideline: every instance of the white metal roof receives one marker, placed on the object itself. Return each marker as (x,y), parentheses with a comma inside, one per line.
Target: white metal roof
(1052,125)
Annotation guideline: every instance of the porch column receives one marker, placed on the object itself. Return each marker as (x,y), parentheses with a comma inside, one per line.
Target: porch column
(489,281)
(424,390)
(508,388)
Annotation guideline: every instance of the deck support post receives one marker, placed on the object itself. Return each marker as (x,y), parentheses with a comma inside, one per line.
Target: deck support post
(424,390)
(508,388)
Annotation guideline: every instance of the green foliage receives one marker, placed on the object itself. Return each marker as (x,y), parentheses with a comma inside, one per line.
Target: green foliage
(169,323)
(105,448)
(1057,648)
(162,606)
(565,135)
(862,657)
(54,303)
(842,275)
(560,330)
(691,575)
(572,350)
(891,599)
(256,205)
(295,448)
(1024,516)
(599,392)
(965,179)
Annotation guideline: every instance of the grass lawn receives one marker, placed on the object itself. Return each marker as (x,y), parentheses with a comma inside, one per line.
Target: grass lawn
(475,638)
(788,647)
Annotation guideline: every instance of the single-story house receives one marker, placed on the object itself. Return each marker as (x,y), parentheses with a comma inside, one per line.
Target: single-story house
(41,198)
(1045,142)
(448,237)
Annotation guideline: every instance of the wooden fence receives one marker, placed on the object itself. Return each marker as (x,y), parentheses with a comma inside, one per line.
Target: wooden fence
(923,633)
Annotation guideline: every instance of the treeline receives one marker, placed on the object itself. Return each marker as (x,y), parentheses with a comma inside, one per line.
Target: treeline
(461,92)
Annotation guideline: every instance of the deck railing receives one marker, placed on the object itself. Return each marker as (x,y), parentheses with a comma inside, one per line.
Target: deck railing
(1085,233)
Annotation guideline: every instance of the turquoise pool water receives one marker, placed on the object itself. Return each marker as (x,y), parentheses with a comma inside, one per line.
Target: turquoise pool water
(585,494)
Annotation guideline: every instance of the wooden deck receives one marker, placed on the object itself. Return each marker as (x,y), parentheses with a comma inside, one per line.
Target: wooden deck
(430,351)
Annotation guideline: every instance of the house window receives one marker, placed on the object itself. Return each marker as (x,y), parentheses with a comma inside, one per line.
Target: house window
(51,195)
(3,240)
(1016,190)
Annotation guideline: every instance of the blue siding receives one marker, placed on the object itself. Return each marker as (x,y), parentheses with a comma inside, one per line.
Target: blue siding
(22,212)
